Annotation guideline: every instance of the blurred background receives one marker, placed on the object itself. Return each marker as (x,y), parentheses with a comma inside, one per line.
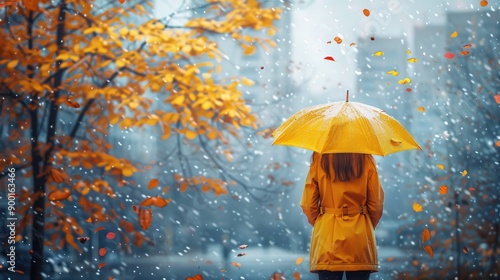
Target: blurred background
(442,86)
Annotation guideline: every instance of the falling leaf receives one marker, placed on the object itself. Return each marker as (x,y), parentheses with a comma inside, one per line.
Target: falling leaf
(498,142)
(454,34)
(110,235)
(421,109)
(329,42)
(497,98)
(12,64)
(426,235)
(464,173)
(352,44)
(101,265)
(443,190)
(102,252)
(408,52)
(338,40)
(241,254)
(98,229)
(153,183)
(372,38)
(417,207)
(262,67)
(196,277)
(329,58)
(59,194)
(145,216)
(464,52)
(243,246)
(483,3)
(408,89)
(238,265)
(156,201)
(465,250)
(83,239)
(57,175)
(296,275)
(472,189)
(299,260)
(366,12)
(440,166)
(466,46)
(393,72)
(378,53)
(449,55)
(429,250)
(404,81)
(412,60)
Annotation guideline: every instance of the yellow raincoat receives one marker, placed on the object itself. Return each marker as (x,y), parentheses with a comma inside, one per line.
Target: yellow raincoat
(344,216)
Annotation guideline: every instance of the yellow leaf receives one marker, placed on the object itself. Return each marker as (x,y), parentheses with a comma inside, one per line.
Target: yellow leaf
(417,207)
(454,34)
(127,171)
(248,49)
(190,134)
(440,166)
(247,82)
(412,60)
(12,64)
(299,260)
(378,53)
(63,56)
(393,72)
(404,81)
(120,63)
(464,173)
(179,100)
(421,109)
(408,52)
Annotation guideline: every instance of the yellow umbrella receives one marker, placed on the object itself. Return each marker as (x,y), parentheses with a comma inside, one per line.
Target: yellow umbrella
(344,127)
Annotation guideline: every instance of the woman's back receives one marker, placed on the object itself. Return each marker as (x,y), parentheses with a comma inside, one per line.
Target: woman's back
(343,213)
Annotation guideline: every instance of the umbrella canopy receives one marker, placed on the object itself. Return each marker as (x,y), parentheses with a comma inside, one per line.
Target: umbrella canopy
(344,127)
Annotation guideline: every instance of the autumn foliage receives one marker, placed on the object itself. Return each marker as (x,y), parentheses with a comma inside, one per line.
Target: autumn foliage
(73,70)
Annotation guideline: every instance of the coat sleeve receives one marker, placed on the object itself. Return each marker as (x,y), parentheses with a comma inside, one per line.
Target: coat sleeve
(375,196)
(310,197)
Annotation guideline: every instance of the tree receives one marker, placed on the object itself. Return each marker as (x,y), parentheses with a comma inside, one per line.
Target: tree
(72,70)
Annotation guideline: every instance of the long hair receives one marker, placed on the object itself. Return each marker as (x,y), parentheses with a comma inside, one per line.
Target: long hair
(346,166)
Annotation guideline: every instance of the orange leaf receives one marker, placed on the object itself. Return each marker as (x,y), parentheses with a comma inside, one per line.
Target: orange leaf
(299,260)
(483,3)
(426,235)
(466,46)
(429,250)
(440,166)
(98,229)
(338,40)
(102,252)
(196,277)
(58,195)
(417,207)
(243,246)
(296,275)
(153,183)
(101,265)
(464,52)
(443,189)
(145,216)
(57,175)
(497,98)
(238,265)
(329,58)
(454,34)
(366,12)
(121,1)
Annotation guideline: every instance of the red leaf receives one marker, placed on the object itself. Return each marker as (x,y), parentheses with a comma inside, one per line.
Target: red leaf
(449,55)
(429,250)
(329,58)
(101,265)
(83,239)
(466,251)
(102,252)
(497,98)
(110,235)
(98,229)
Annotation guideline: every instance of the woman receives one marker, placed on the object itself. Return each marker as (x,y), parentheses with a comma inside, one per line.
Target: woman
(343,201)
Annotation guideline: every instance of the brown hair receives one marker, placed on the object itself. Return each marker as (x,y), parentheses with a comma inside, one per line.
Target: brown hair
(346,166)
